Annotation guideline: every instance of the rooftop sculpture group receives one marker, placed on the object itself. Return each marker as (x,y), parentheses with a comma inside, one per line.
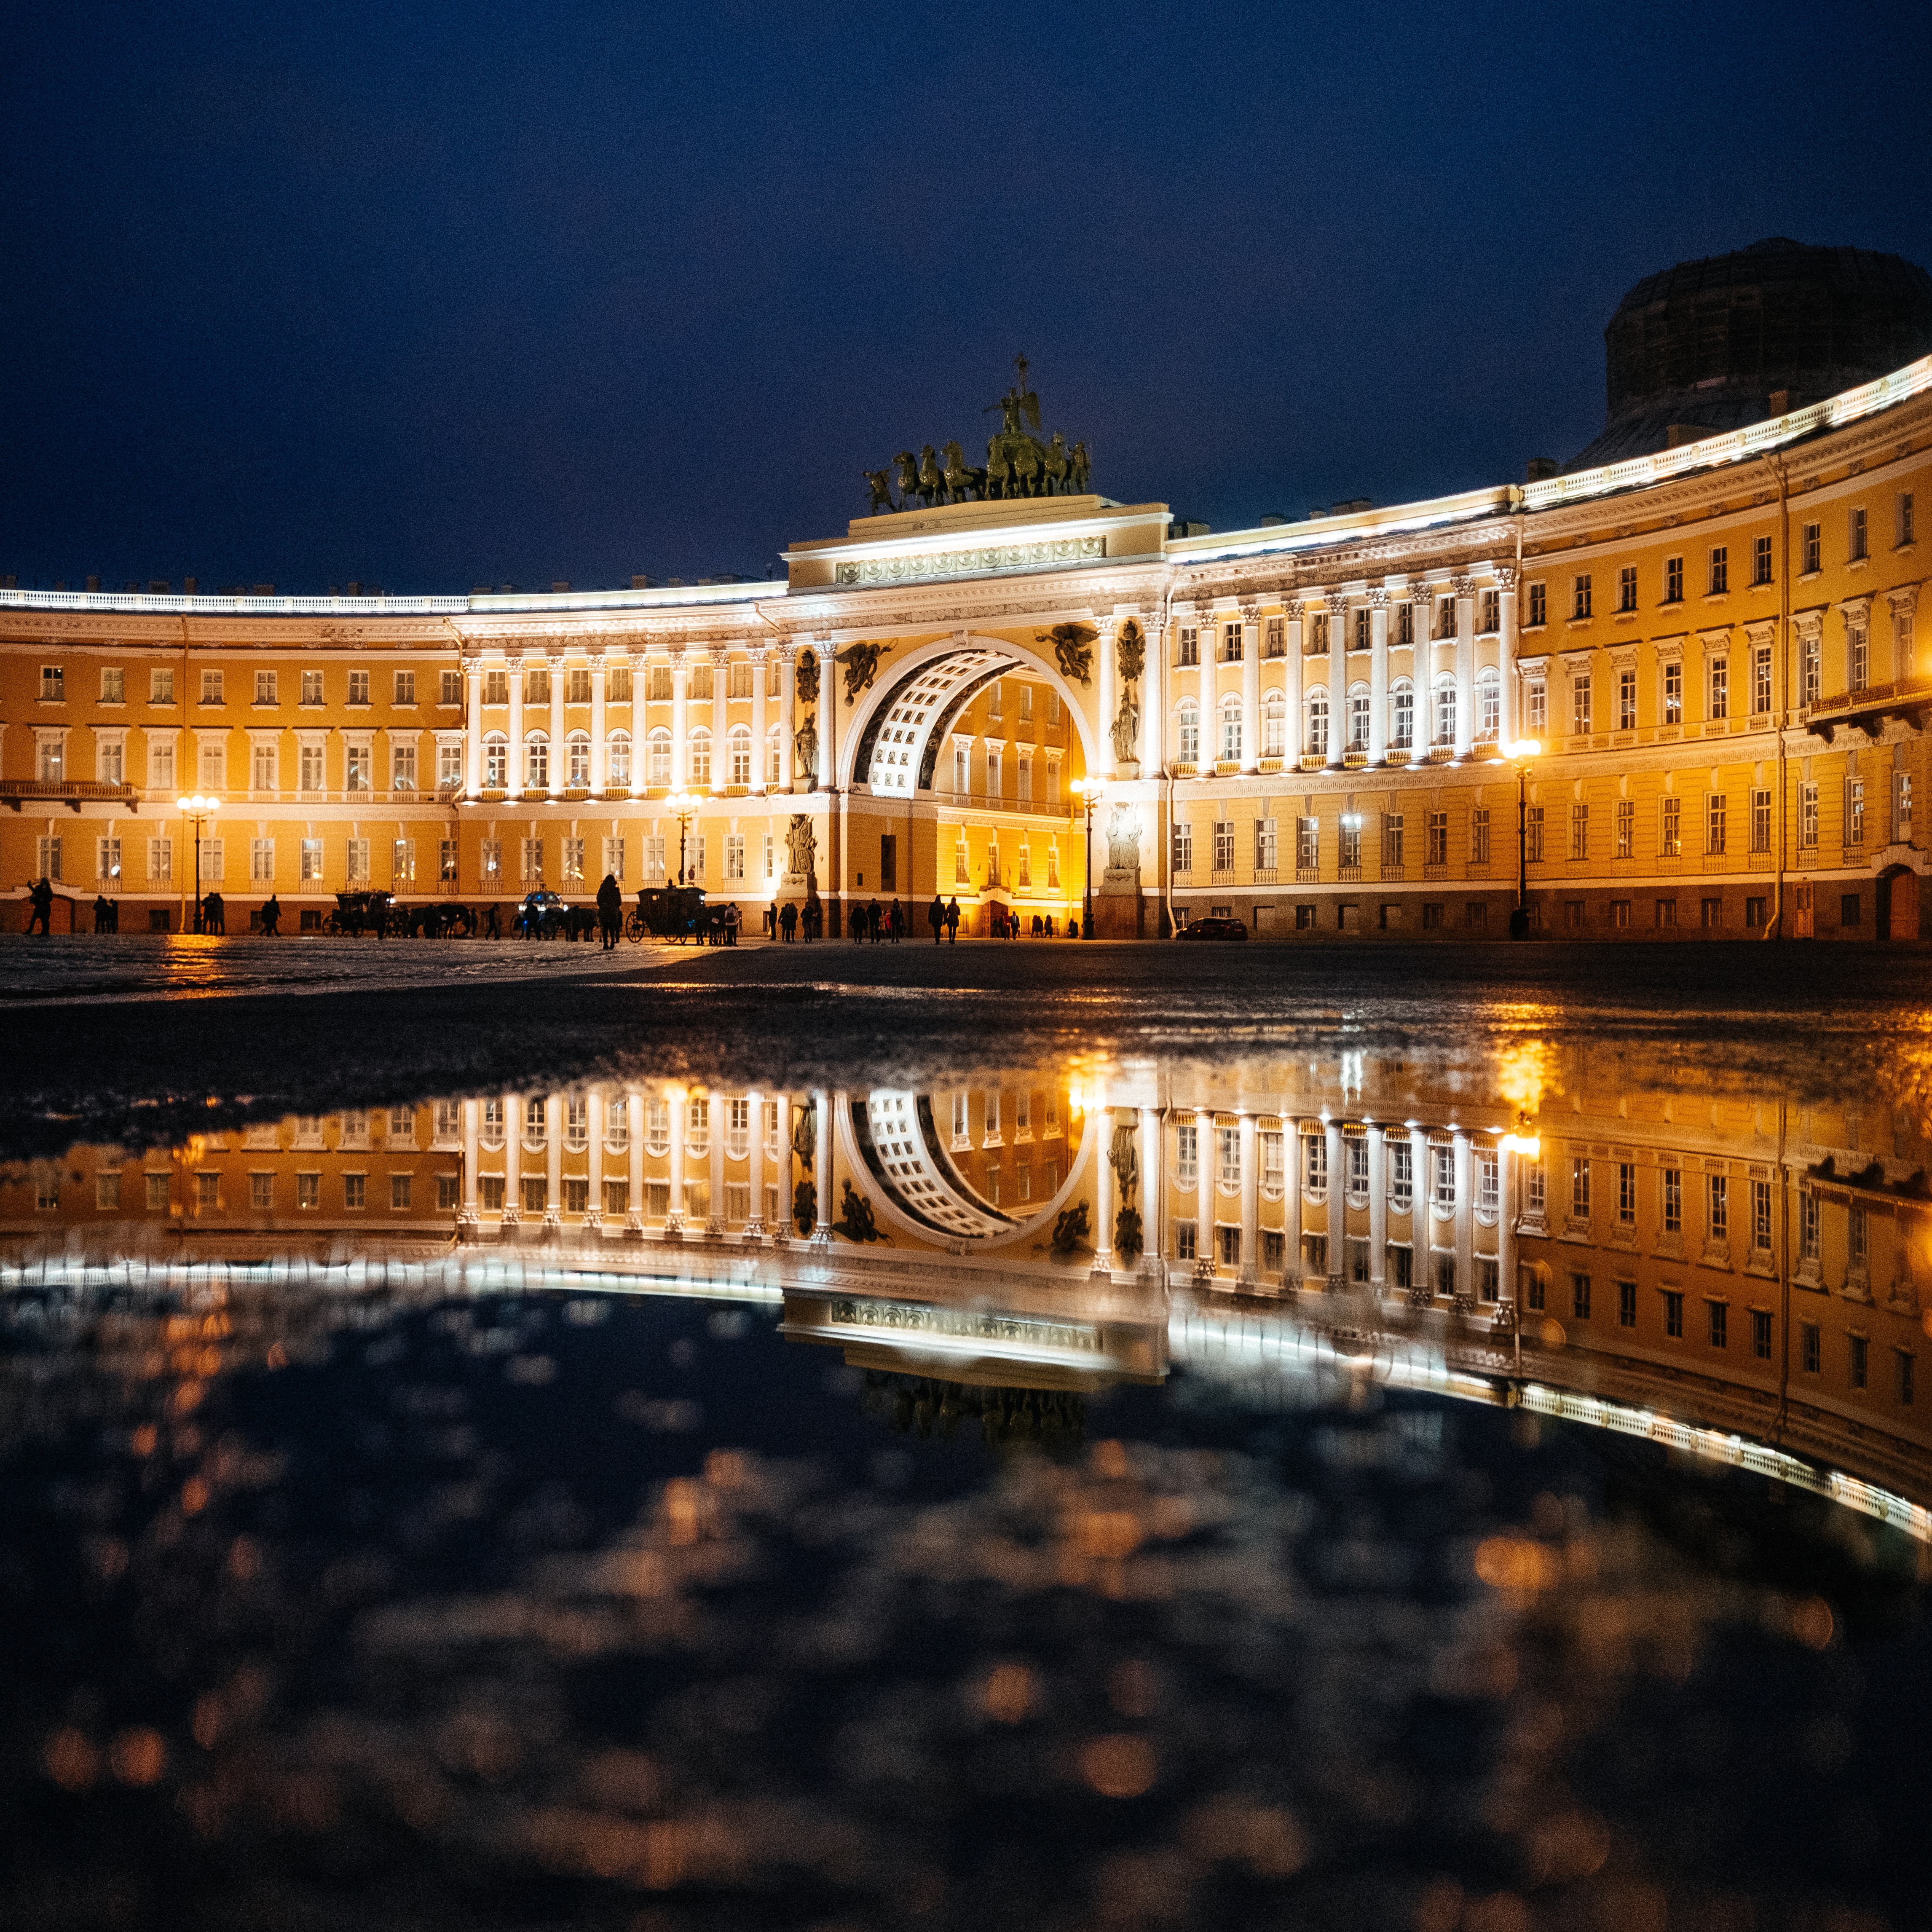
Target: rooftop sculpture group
(1018,462)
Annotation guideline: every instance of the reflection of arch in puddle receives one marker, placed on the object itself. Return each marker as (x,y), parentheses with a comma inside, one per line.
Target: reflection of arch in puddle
(985,1164)
(1010,1418)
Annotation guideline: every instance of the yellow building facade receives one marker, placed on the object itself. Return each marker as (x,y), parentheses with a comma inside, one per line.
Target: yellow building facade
(1312,727)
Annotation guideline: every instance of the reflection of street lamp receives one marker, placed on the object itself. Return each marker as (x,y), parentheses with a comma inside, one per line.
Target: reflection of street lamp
(1087,792)
(685,805)
(1520,755)
(195,810)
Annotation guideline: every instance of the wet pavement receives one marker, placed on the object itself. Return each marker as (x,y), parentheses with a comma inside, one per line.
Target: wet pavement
(871,1439)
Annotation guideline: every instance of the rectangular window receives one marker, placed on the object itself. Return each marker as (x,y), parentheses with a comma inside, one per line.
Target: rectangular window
(451,689)
(211,687)
(1859,545)
(1579,830)
(1626,827)
(1539,605)
(1437,851)
(1224,844)
(406,687)
(1307,843)
(1183,846)
(358,760)
(533,860)
(1716,808)
(1720,687)
(403,776)
(1190,645)
(1316,1154)
(1627,1193)
(1673,580)
(1811,1350)
(1537,696)
(1626,1304)
(1673,1314)
(1187,1156)
(1581,688)
(1579,1297)
(1579,606)
(1479,836)
(1760,820)
(1807,815)
(1856,1363)
(1392,839)
(1760,560)
(734,858)
(109,762)
(1903,1357)
(1812,541)
(1277,638)
(1230,643)
(1579,1189)
(1266,851)
(1720,571)
(1905,530)
(358,687)
(1626,588)
(1670,832)
(1533,834)
(1719,1188)
(355,1190)
(1673,692)
(161,687)
(1627,700)
(1761,680)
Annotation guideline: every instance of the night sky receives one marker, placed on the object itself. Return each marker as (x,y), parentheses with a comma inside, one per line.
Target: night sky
(432,297)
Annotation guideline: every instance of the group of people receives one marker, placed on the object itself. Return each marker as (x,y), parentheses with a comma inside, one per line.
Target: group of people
(788,922)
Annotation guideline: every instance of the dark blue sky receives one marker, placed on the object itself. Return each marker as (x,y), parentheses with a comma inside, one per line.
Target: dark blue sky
(432,296)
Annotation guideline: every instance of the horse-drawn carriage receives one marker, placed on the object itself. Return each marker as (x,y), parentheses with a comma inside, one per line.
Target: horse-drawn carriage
(357,913)
(433,921)
(547,915)
(679,913)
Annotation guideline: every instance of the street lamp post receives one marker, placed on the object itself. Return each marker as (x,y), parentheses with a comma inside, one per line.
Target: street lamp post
(195,810)
(684,804)
(1088,791)
(1520,755)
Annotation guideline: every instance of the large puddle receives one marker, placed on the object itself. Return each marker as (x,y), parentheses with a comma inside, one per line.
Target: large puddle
(1478,1486)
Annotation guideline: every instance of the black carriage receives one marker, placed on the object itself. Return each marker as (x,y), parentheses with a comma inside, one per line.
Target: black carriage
(548,915)
(433,921)
(357,913)
(678,914)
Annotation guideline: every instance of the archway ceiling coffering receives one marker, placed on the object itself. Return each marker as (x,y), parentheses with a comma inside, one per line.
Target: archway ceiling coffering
(895,758)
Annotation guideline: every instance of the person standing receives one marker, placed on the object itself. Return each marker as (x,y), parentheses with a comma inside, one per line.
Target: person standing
(271,918)
(610,909)
(935,917)
(952,920)
(103,914)
(40,908)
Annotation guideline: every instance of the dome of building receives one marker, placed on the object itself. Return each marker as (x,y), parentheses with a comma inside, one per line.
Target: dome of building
(1715,344)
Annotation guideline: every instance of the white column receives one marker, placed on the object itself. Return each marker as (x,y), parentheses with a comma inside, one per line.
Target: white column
(1251,707)
(680,757)
(1100,1122)
(593,1216)
(1377,1208)
(1338,1191)
(1421,1212)
(634,1219)
(1466,1219)
(473,705)
(1338,680)
(553,1172)
(1153,1193)
(514,788)
(554,658)
(761,725)
(788,719)
(674,1217)
(821,1165)
(714,1219)
(598,773)
(468,1220)
(1209,635)
(1105,703)
(720,718)
(1508,729)
(1154,706)
(754,1227)
(1205,1184)
(1506,1186)
(1378,678)
(1465,666)
(513,1158)
(1291,668)
(1251,1203)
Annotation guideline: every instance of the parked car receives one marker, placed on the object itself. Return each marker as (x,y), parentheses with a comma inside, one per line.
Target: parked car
(1214,926)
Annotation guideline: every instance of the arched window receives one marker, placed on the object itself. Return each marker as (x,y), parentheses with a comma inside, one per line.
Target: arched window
(1401,716)
(1358,718)
(700,756)
(657,751)
(496,762)
(1445,709)
(1489,705)
(1190,731)
(1231,730)
(1318,723)
(741,754)
(576,747)
(536,761)
(775,756)
(618,757)
(1274,725)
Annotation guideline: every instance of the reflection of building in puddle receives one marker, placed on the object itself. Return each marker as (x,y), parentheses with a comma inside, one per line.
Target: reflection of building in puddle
(1724,1260)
